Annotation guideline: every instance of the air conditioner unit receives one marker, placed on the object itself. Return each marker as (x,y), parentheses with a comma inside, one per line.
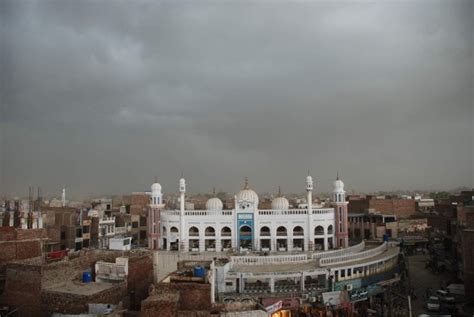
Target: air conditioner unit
(349,287)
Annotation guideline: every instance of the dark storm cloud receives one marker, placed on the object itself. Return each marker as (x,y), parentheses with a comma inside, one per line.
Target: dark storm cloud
(103,96)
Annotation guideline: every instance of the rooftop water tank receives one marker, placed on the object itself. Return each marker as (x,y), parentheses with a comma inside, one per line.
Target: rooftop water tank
(199,271)
(86,277)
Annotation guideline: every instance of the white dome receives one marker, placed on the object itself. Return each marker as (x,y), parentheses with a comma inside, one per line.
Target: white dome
(338,185)
(248,195)
(280,203)
(156,188)
(214,203)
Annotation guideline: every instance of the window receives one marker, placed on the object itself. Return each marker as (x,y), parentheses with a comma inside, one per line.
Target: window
(229,284)
(108,206)
(343,273)
(126,242)
(63,235)
(142,221)
(85,229)
(135,224)
(78,232)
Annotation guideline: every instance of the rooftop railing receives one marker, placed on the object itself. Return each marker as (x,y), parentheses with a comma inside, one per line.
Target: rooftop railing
(265,260)
(353,257)
(338,252)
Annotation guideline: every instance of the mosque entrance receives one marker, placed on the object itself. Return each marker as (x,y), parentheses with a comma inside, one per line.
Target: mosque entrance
(245,241)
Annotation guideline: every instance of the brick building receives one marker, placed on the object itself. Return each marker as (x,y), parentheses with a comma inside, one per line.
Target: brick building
(137,205)
(371,225)
(19,244)
(400,207)
(467,238)
(180,293)
(65,228)
(37,288)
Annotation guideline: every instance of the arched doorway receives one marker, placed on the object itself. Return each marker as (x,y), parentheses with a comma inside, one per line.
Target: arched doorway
(245,240)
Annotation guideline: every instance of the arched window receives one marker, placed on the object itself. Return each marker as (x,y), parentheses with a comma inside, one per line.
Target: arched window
(164,233)
(319,230)
(210,232)
(281,231)
(330,229)
(265,231)
(174,230)
(193,232)
(298,231)
(226,232)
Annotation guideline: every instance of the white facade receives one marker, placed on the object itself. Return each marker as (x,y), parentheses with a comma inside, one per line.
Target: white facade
(121,244)
(246,227)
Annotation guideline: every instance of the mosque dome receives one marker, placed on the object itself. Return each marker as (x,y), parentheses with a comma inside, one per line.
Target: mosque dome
(214,203)
(156,187)
(280,203)
(248,195)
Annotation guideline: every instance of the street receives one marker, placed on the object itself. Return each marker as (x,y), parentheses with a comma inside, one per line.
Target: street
(421,279)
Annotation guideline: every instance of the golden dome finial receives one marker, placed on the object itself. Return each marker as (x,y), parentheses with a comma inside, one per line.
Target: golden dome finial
(279,191)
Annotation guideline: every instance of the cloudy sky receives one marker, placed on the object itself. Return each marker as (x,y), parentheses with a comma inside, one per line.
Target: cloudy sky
(103,95)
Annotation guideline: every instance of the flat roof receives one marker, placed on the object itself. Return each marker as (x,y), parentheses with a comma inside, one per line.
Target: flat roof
(79,288)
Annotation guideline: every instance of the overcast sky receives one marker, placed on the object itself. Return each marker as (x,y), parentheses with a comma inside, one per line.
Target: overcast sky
(103,96)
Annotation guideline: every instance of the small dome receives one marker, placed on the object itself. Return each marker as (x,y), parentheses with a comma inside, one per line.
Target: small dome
(214,203)
(280,203)
(338,185)
(156,188)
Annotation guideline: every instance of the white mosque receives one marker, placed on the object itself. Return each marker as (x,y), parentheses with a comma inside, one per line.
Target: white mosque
(247,228)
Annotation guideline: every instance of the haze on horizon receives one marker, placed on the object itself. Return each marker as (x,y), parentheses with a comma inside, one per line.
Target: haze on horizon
(103,96)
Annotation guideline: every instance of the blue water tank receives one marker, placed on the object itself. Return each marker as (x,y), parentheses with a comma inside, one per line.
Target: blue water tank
(199,271)
(385,237)
(86,277)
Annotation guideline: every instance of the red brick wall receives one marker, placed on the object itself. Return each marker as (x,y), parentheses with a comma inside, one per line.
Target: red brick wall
(140,276)
(54,302)
(468,262)
(19,244)
(160,305)
(23,289)
(359,205)
(140,199)
(402,208)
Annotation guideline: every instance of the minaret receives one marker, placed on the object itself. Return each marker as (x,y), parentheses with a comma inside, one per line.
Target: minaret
(183,242)
(63,196)
(340,206)
(154,219)
(309,241)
